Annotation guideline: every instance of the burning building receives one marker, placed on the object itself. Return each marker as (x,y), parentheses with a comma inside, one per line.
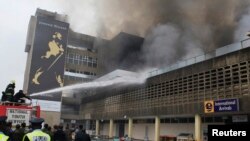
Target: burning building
(178,95)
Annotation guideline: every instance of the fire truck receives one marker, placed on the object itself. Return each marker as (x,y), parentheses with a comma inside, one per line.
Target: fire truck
(18,113)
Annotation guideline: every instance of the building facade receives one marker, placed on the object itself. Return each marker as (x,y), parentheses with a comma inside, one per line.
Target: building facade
(175,99)
(57,56)
(81,66)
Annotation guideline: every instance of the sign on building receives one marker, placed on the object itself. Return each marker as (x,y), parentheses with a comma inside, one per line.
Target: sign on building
(225,105)
(209,106)
(18,116)
(48,56)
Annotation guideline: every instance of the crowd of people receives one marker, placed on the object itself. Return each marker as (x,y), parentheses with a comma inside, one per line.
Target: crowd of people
(35,132)
(9,94)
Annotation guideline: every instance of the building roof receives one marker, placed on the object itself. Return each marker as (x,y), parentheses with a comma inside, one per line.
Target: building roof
(117,73)
(51,15)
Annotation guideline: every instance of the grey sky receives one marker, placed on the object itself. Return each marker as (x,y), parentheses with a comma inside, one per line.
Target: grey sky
(15,16)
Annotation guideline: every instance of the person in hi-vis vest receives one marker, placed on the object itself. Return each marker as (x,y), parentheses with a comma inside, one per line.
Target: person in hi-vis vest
(3,137)
(37,134)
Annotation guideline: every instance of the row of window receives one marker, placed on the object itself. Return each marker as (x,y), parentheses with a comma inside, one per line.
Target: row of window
(69,109)
(183,89)
(81,72)
(77,59)
(72,78)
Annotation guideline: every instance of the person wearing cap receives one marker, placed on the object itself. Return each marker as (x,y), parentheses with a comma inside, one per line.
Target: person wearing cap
(3,137)
(37,134)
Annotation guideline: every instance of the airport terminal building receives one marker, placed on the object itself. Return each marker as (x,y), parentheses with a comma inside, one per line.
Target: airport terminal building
(182,98)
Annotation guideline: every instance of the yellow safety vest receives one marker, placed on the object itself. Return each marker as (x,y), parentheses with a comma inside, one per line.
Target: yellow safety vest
(37,135)
(3,137)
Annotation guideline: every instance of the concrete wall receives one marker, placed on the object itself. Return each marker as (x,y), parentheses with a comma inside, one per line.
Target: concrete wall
(104,129)
(139,131)
(51,118)
(175,129)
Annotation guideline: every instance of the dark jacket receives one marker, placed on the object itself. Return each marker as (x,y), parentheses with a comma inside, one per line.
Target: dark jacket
(23,131)
(60,135)
(9,92)
(68,134)
(9,132)
(17,135)
(19,95)
(82,136)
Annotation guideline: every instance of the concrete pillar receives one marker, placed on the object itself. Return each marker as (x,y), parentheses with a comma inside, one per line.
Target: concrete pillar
(157,128)
(111,128)
(97,127)
(197,127)
(130,127)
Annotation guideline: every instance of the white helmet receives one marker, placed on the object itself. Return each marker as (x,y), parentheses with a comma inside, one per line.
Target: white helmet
(12,81)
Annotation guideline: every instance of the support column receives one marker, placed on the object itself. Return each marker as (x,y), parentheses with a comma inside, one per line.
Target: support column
(157,128)
(97,127)
(197,127)
(130,127)
(111,127)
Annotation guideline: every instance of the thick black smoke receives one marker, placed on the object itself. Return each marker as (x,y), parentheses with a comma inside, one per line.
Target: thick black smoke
(173,29)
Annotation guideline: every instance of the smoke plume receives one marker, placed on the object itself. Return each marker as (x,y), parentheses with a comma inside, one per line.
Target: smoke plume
(173,29)
(243,26)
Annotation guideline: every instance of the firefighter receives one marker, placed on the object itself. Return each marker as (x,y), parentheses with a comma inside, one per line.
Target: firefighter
(3,137)
(37,134)
(19,97)
(9,92)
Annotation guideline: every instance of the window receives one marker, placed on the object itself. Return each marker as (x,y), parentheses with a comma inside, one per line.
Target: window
(83,60)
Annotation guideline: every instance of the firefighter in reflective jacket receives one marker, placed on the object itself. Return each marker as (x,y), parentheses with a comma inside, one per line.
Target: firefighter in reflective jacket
(37,134)
(3,137)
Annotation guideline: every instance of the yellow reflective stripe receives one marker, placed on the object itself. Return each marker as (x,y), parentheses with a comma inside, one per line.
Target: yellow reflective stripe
(8,94)
(24,137)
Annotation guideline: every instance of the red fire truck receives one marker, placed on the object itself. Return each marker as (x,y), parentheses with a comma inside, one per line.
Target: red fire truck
(18,113)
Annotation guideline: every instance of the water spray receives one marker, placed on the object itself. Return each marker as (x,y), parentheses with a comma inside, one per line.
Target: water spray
(116,80)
